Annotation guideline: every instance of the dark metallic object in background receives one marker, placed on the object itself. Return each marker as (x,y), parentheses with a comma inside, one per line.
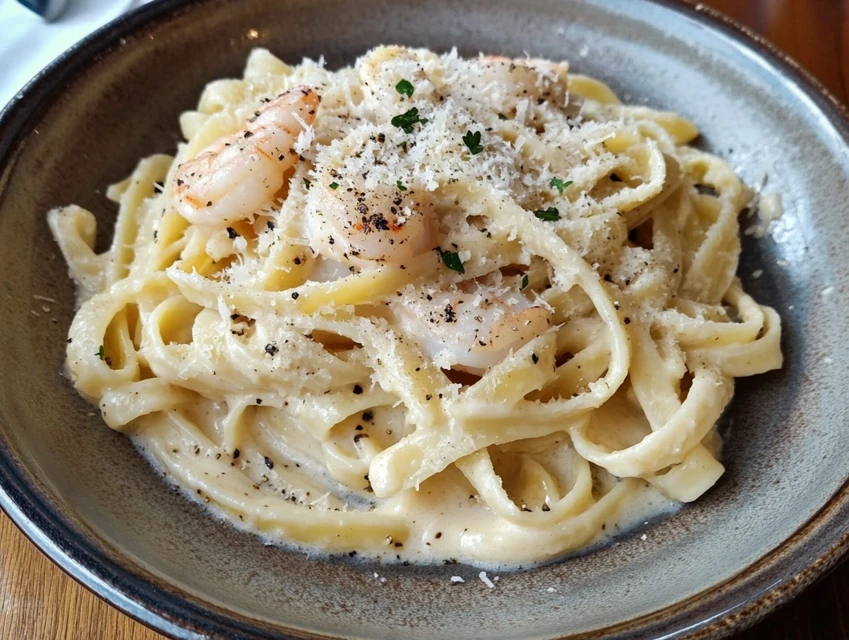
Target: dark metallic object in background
(47,9)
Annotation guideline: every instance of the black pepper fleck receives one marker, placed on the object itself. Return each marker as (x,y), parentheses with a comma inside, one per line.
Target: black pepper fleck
(450,315)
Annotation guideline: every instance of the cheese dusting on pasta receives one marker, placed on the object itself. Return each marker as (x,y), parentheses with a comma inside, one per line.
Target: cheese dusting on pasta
(422,308)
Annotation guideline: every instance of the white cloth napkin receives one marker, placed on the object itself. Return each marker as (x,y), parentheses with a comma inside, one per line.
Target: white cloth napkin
(29,44)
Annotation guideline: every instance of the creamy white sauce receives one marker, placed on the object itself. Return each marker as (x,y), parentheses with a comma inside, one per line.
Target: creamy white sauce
(492,317)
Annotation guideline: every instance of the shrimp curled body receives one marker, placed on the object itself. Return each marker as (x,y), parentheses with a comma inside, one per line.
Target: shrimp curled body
(238,175)
(383,225)
(472,329)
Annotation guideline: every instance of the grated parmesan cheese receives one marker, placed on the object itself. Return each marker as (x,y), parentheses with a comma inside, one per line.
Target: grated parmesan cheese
(769,210)
(489,583)
(316,310)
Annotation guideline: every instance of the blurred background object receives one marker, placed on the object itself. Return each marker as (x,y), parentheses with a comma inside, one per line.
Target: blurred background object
(47,9)
(35,32)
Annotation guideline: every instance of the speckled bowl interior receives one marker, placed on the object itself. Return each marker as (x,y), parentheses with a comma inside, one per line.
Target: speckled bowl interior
(88,499)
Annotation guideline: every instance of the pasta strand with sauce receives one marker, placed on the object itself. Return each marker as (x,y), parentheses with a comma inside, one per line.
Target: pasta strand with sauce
(422,308)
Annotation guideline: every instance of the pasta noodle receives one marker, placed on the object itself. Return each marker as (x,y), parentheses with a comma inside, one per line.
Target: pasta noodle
(422,308)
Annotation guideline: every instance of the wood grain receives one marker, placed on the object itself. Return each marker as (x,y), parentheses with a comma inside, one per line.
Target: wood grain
(39,602)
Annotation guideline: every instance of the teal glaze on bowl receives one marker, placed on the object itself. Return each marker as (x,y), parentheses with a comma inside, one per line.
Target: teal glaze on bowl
(776,520)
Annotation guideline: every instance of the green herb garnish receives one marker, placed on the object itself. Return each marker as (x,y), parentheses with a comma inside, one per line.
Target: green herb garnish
(452,260)
(559,184)
(307,183)
(400,186)
(472,140)
(407,119)
(549,215)
(501,116)
(524,282)
(100,352)
(405,88)
(334,185)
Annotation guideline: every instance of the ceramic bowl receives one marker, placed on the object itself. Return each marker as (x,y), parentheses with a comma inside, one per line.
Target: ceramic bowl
(775,521)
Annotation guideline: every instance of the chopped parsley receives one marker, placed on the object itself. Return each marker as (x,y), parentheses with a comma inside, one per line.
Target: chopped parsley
(400,186)
(307,183)
(407,119)
(559,184)
(405,88)
(452,261)
(334,185)
(549,215)
(100,352)
(501,116)
(524,282)
(472,140)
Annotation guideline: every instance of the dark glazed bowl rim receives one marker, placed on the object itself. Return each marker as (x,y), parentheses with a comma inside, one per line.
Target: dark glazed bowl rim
(718,611)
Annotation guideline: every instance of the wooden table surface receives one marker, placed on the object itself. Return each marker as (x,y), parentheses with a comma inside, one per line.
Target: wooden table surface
(39,602)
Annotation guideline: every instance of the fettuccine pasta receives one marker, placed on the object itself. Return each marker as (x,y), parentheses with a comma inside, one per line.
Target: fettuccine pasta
(422,308)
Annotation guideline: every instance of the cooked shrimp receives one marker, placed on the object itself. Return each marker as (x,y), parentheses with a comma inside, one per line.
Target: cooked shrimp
(551,71)
(236,176)
(507,80)
(474,329)
(386,224)
(384,67)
